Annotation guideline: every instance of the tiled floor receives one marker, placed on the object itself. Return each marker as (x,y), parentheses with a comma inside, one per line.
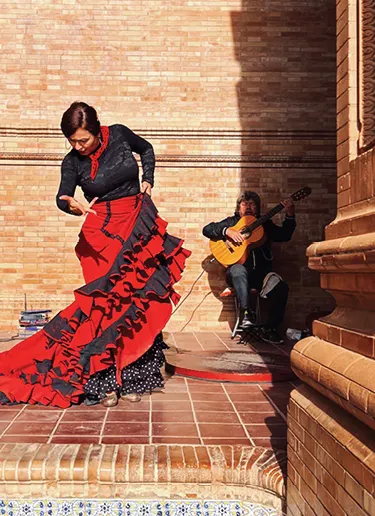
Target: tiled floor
(187,412)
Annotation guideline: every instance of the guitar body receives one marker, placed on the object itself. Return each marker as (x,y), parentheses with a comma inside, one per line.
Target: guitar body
(228,252)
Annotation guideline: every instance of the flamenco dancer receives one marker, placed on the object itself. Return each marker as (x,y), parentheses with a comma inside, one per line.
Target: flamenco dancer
(108,343)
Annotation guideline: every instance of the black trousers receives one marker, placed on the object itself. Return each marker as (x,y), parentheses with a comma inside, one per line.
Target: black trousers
(243,279)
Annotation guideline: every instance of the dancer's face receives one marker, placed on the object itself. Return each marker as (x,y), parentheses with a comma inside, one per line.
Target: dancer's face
(84,142)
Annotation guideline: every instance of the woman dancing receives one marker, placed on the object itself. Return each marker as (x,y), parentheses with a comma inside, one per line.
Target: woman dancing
(108,342)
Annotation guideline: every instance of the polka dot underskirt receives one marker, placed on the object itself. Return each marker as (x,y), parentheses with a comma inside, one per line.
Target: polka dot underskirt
(141,376)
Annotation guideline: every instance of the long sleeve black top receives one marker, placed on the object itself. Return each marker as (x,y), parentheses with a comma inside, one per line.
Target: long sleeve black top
(118,173)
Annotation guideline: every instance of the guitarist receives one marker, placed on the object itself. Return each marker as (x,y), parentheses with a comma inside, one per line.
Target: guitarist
(252,273)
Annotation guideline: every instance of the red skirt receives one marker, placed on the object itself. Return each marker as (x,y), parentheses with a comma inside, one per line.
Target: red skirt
(130,264)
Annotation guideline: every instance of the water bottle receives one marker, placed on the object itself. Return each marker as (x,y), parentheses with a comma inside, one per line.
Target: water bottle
(294,334)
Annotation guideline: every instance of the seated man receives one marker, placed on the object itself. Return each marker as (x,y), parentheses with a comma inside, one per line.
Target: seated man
(258,264)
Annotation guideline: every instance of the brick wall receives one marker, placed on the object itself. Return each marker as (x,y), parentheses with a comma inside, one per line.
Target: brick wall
(330,459)
(232,96)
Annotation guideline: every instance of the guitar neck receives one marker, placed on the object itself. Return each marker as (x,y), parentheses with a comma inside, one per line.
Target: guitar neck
(263,218)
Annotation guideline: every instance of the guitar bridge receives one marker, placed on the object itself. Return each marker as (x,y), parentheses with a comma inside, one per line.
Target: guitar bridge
(229,247)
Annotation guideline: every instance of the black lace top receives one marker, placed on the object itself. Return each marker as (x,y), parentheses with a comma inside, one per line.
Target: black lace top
(118,173)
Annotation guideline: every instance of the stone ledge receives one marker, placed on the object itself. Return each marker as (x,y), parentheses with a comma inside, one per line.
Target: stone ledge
(350,329)
(111,471)
(343,376)
(349,253)
(351,262)
(347,244)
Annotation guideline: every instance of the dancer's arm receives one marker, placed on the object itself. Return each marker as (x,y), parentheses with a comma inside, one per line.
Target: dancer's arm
(146,152)
(65,196)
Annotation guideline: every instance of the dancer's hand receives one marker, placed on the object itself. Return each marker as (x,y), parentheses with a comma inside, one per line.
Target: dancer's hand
(78,208)
(146,188)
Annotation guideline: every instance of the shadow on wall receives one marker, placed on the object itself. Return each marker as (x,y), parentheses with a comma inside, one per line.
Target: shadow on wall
(287,108)
(216,280)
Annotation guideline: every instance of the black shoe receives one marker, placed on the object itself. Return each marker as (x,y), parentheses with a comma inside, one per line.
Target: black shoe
(248,319)
(270,335)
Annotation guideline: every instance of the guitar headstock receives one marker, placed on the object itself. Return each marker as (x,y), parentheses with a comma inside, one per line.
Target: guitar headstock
(301,194)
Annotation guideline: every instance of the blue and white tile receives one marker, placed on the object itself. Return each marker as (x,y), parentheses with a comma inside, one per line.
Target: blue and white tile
(75,507)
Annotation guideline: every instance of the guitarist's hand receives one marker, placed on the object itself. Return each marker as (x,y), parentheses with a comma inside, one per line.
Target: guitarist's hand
(234,235)
(289,206)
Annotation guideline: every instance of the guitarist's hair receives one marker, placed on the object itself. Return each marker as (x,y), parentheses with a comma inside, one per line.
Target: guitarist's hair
(248,195)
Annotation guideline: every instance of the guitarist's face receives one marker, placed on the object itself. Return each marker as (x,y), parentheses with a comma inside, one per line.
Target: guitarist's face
(248,208)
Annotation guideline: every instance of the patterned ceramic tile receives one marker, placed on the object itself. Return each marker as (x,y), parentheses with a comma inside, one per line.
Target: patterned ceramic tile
(133,508)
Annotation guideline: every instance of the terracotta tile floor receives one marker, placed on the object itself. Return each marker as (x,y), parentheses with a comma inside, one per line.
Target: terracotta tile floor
(187,412)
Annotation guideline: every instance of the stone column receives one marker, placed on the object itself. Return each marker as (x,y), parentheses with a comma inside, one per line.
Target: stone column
(331,445)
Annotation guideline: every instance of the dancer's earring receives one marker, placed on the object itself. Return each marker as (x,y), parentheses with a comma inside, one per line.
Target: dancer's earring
(67,145)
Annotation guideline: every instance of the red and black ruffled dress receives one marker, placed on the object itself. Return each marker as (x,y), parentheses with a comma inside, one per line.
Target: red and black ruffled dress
(110,337)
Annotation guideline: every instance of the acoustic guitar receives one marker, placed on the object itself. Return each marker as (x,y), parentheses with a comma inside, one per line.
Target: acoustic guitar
(228,252)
